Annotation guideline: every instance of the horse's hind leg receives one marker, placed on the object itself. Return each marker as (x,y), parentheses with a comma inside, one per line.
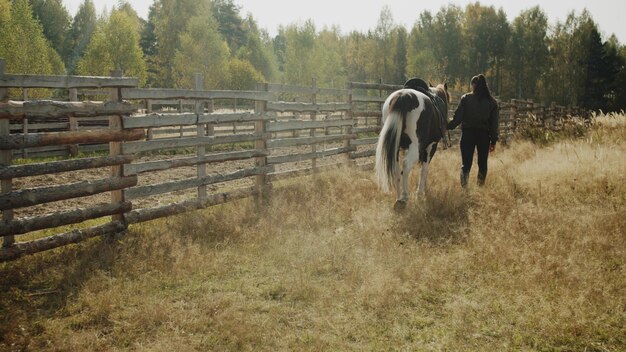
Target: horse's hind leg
(430,151)
(397,179)
(412,156)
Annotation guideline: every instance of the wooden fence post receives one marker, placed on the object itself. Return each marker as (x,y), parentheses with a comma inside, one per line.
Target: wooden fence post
(115,149)
(209,127)
(6,157)
(348,129)
(514,115)
(530,105)
(552,115)
(73,122)
(260,128)
(25,122)
(314,118)
(201,132)
(150,135)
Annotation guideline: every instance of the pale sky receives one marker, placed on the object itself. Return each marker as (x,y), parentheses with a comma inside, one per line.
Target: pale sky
(363,15)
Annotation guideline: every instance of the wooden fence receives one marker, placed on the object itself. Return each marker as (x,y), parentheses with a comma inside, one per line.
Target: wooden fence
(214,147)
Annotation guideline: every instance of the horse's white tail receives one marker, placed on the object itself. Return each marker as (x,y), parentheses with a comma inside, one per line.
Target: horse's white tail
(398,105)
(388,148)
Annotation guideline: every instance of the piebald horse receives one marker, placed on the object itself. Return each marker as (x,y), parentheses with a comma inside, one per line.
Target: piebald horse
(413,121)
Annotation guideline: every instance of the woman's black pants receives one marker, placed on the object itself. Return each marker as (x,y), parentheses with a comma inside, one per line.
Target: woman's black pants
(474,139)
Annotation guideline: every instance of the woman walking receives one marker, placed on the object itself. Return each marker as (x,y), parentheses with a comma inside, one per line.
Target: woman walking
(478,116)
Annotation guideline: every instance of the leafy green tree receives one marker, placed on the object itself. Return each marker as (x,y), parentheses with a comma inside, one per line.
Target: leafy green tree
(279,45)
(566,76)
(583,27)
(447,41)
(421,57)
(242,75)
(398,72)
(561,62)
(5,12)
(24,46)
(79,34)
(603,67)
(619,102)
(501,36)
(528,53)
(171,19)
(148,43)
(596,80)
(258,51)
(329,55)
(382,57)
(55,20)
(230,24)
(114,46)
(356,56)
(202,50)
(486,34)
(299,63)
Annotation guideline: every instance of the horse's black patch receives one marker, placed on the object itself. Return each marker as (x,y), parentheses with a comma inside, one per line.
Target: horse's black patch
(405,102)
(405,141)
(428,131)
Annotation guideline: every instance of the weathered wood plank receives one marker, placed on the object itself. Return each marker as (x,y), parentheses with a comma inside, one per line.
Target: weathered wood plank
(163,94)
(236,117)
(18,141)
(357,114)
(49,152)
(285,88)
(373,86)
(363,154)
(160,120)
(33,196)
(49,81)
(155,120)
(49,108)
(6,158)
(141,215)
(48,221)
(368,99)
(40,126)
(375,129)
(307,156)
(14,171)
(20,249)
(304,171)
(280,126)
(307,107)
(294,142)
(365,141)
(139,168)
(173,143)
(166,187)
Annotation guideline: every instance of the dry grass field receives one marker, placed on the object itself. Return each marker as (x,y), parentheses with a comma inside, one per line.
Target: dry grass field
(534,261)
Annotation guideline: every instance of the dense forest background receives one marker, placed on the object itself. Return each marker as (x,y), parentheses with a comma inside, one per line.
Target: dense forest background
(568,63)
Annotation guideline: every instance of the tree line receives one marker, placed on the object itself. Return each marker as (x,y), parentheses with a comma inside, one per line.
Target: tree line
(568,63)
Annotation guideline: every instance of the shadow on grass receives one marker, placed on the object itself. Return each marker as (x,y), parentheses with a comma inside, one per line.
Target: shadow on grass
(34,288)
(440,218)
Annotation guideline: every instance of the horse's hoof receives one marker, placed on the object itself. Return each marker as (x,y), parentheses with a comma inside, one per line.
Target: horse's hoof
(400,204)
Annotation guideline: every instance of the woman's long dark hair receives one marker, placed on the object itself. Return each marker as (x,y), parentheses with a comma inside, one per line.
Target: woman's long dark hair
(481,90)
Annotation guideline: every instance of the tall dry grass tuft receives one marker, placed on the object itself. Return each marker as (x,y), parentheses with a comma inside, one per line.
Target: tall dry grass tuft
(534,261)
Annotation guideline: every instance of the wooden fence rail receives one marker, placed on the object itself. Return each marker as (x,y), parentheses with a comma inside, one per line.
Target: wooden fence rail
(316,130)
